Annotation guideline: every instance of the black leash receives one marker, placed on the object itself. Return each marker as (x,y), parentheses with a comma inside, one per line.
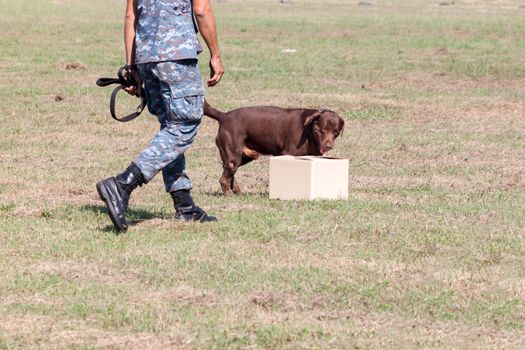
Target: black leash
(123,81)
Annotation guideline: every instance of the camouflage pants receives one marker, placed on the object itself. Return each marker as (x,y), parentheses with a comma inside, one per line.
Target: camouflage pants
(175,95)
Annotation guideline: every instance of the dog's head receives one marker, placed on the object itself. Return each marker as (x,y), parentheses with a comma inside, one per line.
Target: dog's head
(326,126)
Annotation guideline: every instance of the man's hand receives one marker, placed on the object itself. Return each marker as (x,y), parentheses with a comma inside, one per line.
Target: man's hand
(135,90)
(206,23)
(216,71)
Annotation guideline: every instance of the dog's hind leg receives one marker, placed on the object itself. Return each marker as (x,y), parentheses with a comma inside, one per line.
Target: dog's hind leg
(250,153)
(227,180)
(247,156)
(235,186)
(230,149)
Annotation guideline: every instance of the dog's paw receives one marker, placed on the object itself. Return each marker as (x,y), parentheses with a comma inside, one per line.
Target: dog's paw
(236,189)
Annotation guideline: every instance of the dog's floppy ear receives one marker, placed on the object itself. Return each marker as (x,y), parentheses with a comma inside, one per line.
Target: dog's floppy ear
(312,118)
(342,126)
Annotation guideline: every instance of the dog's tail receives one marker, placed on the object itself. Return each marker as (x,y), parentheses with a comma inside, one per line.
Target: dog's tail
(212,112)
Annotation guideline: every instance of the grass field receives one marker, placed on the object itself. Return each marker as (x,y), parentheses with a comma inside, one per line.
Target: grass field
(429,250)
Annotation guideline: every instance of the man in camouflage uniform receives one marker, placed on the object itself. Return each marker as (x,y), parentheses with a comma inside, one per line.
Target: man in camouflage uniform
(161,51)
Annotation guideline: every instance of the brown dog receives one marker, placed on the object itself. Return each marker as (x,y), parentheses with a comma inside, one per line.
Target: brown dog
(245,133)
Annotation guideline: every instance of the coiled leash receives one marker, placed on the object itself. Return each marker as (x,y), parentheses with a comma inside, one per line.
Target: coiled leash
(123,81)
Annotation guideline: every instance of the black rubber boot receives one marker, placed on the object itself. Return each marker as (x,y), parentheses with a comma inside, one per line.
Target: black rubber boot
(186,210)
(115,192)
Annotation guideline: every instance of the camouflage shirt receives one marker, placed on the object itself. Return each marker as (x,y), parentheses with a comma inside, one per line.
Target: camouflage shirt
(165,31)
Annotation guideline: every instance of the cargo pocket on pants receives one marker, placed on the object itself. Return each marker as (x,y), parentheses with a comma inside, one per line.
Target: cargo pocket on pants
(187,109)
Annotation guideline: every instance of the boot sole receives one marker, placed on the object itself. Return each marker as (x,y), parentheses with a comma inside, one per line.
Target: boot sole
(103,193)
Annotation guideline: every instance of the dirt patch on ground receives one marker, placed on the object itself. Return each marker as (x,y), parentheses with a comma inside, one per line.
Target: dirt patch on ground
(23,212)
(72,66)
(183,294)
(101,272)
(237,207)
(270,301)
(50,333)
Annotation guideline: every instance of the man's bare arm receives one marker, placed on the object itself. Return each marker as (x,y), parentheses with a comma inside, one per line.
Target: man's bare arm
(129,30)
(207,27)
(130,22)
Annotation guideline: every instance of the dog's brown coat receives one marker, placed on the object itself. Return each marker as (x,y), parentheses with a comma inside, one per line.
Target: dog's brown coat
(245,133)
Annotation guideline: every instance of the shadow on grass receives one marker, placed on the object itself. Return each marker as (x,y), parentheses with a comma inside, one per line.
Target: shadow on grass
(134,216)
(215,194)
(243,194)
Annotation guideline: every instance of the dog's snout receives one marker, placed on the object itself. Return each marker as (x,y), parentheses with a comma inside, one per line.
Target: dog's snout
(325,147)
(328,145)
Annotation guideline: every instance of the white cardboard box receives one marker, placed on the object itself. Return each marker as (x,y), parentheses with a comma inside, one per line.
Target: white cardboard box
(308,177)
